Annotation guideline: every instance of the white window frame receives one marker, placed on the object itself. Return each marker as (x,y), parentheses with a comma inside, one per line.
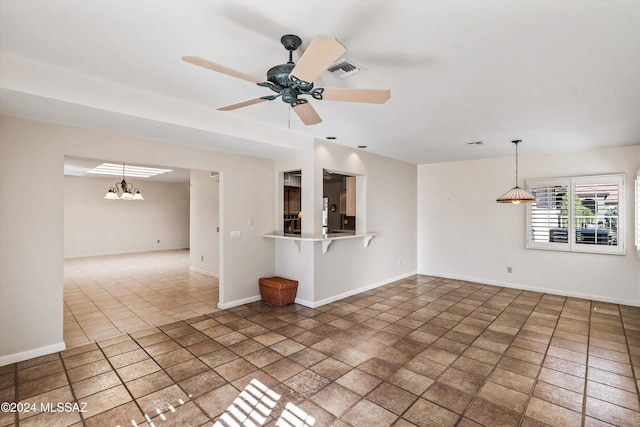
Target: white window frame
(571,245)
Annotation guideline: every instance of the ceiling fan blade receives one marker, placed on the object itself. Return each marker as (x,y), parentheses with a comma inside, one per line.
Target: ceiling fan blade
(307,114)
(371,96)
(322,52)
(195,60)
(241,104)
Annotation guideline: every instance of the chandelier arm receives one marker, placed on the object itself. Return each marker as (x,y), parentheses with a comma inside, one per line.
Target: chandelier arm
(126,188)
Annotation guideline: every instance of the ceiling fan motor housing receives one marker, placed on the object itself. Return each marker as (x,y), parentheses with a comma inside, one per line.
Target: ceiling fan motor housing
(289,88)
(289,95)
(279,75)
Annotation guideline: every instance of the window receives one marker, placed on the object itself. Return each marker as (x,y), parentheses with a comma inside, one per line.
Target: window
(581,214)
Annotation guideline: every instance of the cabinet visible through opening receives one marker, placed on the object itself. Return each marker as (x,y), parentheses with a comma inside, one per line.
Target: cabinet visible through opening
(292,213)
(339,203)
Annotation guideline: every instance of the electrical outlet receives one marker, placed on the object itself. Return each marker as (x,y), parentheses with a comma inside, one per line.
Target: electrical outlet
(509,270)
(250,220)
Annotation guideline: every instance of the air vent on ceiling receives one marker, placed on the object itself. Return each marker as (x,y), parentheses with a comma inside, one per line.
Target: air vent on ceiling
(345,68)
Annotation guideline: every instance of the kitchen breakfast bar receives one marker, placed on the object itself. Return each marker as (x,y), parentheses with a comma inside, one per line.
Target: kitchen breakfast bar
(326,239)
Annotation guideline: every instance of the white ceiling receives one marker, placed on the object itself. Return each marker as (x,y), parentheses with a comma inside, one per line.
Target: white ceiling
(560,75)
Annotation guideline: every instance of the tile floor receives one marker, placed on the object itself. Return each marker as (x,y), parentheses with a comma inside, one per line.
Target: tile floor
(422,351)
(110,295)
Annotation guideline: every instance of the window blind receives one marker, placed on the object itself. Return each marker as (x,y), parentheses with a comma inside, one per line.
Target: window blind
(548,222)
(596,213)
(581,214)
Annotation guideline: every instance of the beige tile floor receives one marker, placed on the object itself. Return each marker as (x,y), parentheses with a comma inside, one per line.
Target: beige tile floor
(423,351)
(109,295)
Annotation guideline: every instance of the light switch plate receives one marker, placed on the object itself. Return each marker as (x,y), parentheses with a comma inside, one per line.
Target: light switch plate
(235,234)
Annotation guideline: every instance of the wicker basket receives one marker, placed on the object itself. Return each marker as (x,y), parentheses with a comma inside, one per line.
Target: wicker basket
(278,290)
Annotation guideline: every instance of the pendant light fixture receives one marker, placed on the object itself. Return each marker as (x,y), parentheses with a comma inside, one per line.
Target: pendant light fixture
(128,192)
(516,194)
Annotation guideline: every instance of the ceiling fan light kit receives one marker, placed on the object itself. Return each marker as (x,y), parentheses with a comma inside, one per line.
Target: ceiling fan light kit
(516,195)
(291,81)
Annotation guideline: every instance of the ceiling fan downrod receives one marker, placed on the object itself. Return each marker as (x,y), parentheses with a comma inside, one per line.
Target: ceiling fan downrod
(290,42)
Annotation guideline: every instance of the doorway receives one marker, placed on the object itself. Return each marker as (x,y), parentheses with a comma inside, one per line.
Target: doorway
(129,265)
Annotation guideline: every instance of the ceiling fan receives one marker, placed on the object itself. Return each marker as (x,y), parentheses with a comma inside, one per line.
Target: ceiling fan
(291,81)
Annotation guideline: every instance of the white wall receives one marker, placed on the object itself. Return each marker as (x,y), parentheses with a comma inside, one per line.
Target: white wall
(389,203)
(96,226)
(205,238)
(292,260)
(32,222)
(463,233)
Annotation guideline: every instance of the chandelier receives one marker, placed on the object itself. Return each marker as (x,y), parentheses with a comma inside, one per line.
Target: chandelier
(124,187)
(516,194)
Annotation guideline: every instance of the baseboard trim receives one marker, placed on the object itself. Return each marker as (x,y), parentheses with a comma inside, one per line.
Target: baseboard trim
(305,302)
(127,252)
(30,354)
(635,303)
(203,271)
(238,302)
(314,304)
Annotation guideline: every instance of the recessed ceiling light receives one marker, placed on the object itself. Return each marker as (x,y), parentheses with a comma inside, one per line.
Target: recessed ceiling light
(332,137)
(129,170)
(475,143)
